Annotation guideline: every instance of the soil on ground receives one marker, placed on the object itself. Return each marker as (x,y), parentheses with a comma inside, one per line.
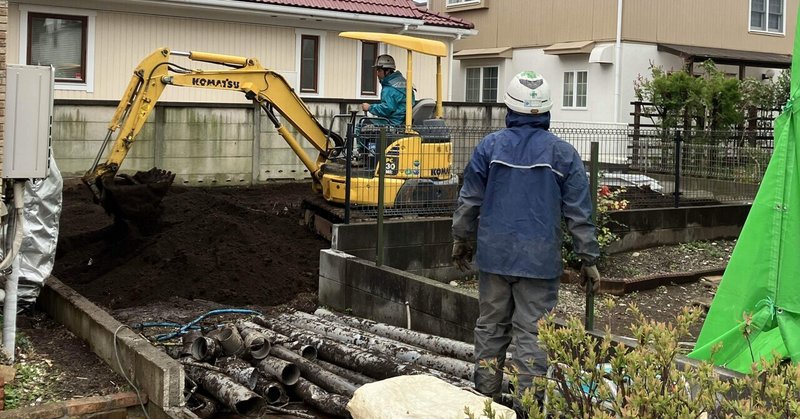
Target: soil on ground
(244,247)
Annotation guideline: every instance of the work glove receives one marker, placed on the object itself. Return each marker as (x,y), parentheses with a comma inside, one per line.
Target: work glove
(462,254)
(590,278)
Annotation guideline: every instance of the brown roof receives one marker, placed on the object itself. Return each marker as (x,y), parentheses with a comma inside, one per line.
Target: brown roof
(391,8)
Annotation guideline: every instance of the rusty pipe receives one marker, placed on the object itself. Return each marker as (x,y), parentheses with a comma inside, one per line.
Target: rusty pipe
(237,397)
(315,373)
(205,348)
(332,404)
(255,342)
(242,372)
(436,344)
(230,340)
(372,364)
(187,340)
(271,390)
(354,377)
(286,372)
(367,340)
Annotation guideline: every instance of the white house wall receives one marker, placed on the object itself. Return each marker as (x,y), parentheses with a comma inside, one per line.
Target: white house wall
(637,59)
(123,38)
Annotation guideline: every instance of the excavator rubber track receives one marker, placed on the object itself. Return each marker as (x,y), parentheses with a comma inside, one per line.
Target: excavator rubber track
(136,199)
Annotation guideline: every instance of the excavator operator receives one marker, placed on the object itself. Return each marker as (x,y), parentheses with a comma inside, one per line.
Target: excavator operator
(393,92)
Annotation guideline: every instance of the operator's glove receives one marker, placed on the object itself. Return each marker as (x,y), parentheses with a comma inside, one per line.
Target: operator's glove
(462,254)
(590,278)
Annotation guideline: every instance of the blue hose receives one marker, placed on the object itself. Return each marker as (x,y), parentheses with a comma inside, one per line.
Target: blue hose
(192,324)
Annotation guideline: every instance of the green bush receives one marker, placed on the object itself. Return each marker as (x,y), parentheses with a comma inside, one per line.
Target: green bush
(595,377)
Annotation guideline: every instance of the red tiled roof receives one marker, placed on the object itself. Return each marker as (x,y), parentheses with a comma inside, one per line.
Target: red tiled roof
(393,8)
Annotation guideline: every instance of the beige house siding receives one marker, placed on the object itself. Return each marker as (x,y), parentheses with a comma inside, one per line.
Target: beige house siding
(709,23)
(3,49)
(122,39)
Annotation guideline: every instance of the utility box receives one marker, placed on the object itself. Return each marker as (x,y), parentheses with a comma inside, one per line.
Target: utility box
(29,116)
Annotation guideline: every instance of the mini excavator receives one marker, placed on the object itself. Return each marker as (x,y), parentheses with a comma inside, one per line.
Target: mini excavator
(417,157)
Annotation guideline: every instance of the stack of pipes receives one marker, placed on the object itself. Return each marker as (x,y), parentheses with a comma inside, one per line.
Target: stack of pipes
(319,358)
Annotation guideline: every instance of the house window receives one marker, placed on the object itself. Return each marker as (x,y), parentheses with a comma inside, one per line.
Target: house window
(767,15)
(62,38)
(309,64)
(575,86)
(461,2)
(369,81)
(481,84)
(60,41)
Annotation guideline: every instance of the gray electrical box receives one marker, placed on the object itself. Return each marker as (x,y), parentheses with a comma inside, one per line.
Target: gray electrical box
(29,116)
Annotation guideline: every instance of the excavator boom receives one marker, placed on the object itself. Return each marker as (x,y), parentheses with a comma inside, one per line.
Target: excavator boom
(137,197)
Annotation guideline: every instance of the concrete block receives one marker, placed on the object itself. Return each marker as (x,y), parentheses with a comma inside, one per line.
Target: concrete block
(153,371)
(425,295)
(332,264)
(331,293)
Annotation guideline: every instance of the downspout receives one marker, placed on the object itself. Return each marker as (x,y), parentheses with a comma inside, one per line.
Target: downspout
(618,63)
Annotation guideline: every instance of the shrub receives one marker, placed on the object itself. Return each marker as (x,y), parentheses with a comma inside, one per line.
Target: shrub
(595,377)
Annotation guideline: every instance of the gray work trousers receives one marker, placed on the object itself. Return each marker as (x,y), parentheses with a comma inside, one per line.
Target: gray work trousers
(511,306)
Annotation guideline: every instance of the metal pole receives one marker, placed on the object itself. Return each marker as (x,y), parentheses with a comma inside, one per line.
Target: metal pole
(381,179)
(594,168)
(677,169)
(348,164)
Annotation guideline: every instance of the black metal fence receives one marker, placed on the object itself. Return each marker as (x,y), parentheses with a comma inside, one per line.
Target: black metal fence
(645,168)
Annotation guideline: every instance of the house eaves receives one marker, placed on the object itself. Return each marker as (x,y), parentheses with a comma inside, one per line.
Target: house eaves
(472,54)
(694,54)
(401,15)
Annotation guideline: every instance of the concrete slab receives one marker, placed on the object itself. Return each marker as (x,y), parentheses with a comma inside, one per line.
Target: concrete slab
(154,372)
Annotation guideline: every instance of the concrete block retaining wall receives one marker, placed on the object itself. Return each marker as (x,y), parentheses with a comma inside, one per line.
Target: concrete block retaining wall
(157,375)
(643,228)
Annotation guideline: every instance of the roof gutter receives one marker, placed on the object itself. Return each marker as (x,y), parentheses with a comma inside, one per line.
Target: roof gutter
(454,33)
(227,5)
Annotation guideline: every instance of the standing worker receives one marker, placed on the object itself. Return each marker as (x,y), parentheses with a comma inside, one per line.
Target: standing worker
(393,92)
(518,185)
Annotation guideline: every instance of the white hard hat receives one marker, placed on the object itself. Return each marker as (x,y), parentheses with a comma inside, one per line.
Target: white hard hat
(385,61)
(528,93)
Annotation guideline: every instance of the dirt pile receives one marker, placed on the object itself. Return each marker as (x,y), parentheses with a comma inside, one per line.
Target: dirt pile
(231,245)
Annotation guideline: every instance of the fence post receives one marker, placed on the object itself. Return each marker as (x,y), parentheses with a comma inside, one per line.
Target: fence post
(348,152)
(381,178)
(677,191)
(594,168)
(637,125)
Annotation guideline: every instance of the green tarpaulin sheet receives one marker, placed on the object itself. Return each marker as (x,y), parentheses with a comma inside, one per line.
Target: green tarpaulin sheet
(763,276)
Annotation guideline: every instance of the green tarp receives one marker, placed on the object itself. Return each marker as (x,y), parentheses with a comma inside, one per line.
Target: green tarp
(762,279)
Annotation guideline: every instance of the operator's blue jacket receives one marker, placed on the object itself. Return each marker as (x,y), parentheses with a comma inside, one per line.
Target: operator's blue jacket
(393,100)
(518,184)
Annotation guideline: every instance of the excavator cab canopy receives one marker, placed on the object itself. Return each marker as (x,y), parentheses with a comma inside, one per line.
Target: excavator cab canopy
(411,44)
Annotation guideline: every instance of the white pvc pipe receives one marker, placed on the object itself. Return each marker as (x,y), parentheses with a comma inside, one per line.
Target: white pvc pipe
(10,302)
(617,63)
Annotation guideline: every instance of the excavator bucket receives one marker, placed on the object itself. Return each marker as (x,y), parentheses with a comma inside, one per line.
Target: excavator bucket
(136,198)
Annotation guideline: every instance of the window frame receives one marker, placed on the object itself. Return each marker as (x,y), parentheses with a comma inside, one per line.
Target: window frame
(360,88)
(315,77)
(765,30)
(482,86)
(459,3)
(88,47)
(320,68)
(575,95)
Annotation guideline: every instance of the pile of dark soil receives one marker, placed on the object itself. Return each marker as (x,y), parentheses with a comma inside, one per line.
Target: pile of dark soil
(234,246)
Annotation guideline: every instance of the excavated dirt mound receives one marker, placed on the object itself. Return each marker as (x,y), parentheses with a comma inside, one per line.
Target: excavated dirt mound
(236,246)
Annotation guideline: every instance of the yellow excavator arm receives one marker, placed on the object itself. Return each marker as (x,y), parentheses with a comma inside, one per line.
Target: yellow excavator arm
(155,72)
